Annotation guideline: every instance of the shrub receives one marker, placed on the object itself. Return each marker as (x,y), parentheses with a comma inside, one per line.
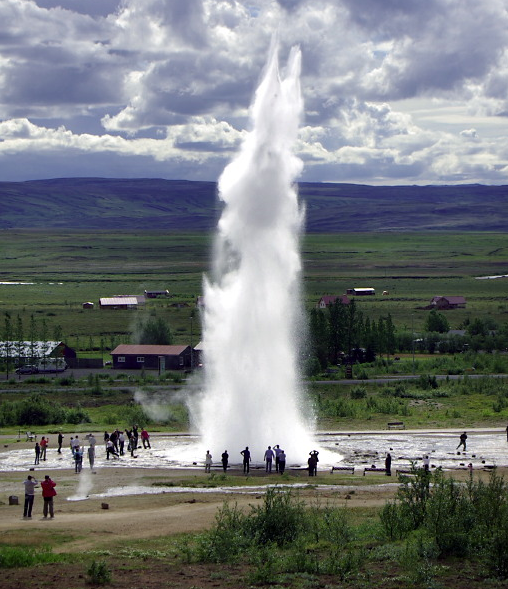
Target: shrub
(279,520)
(98,573)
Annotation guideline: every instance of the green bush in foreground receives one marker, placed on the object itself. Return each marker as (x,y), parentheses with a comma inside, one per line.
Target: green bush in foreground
(98,573)
(458,520)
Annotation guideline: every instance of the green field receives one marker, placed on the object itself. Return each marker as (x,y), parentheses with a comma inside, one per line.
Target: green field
(69,268)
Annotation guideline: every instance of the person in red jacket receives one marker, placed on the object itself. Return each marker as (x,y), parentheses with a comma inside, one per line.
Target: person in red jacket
(48,492)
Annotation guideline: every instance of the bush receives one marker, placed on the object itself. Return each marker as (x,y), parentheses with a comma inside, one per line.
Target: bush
(279,520)
(98,573)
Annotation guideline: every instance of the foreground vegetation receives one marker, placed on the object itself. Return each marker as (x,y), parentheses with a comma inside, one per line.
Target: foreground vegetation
(435,533)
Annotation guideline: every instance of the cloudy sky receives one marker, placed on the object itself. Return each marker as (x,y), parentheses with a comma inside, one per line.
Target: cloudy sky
(395,91)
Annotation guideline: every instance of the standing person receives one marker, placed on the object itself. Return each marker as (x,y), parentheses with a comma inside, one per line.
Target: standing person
(106,438)
(225,459)
(208,461)
(507,433)
(92,441)
(277,451)
(463,438)
(145,438)
(74,445)
(313,460)
(312,464)
(268,459)
(426,463)
(48,492)
(246,460)
(136,436)
(60,442)
(44,447)
(121,442)
(282,461)
(133,444)
(37,453)
(78,459)
(388,465)
(30,485)
(91,456)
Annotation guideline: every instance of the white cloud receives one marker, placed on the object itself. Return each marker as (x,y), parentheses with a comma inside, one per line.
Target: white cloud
(394,91)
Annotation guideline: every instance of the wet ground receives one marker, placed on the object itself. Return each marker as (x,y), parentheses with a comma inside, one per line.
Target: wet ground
(486,447)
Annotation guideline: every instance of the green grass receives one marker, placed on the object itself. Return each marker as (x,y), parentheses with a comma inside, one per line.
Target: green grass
(69,268)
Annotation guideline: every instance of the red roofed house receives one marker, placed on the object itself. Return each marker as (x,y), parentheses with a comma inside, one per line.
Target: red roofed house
(327,300)
(126,356)
(448,303)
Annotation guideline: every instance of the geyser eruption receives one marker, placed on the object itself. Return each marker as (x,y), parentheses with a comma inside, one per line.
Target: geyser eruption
(252,316)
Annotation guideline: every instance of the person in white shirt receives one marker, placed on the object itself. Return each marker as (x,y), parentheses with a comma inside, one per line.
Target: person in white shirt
(30,485)
(268,458)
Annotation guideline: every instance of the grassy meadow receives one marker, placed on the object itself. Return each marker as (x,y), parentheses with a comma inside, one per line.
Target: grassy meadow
(66,269)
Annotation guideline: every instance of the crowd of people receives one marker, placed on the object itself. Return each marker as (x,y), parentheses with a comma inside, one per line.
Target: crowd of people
(116,444)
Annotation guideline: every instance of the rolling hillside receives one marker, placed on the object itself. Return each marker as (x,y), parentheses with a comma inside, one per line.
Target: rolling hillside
(172,205)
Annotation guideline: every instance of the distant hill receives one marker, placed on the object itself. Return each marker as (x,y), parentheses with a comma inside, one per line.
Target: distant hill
(171,205)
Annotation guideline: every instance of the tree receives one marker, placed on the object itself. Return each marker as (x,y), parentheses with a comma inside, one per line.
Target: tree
(337,330)
(318,328)
(154,331)
(436,322)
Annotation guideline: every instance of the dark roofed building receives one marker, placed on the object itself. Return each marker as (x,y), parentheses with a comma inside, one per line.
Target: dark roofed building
(327,300)
(440,302)
(153,357)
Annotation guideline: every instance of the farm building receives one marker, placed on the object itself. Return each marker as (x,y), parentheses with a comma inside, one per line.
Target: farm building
(155,294)
(439,302)
(153,357)
(361,292)
(88,305)
(122,302)
(327,300)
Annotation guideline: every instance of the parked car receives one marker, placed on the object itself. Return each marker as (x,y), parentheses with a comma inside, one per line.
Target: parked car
(27,369)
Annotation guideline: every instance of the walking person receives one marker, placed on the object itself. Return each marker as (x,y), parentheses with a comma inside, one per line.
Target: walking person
(145,439)
(48,492)
(110,449)
(463,438)
(30,485)
(246,460)
(282,461)
(225,459)
(44,447)
(208,461)
(268,459)
(37,453)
